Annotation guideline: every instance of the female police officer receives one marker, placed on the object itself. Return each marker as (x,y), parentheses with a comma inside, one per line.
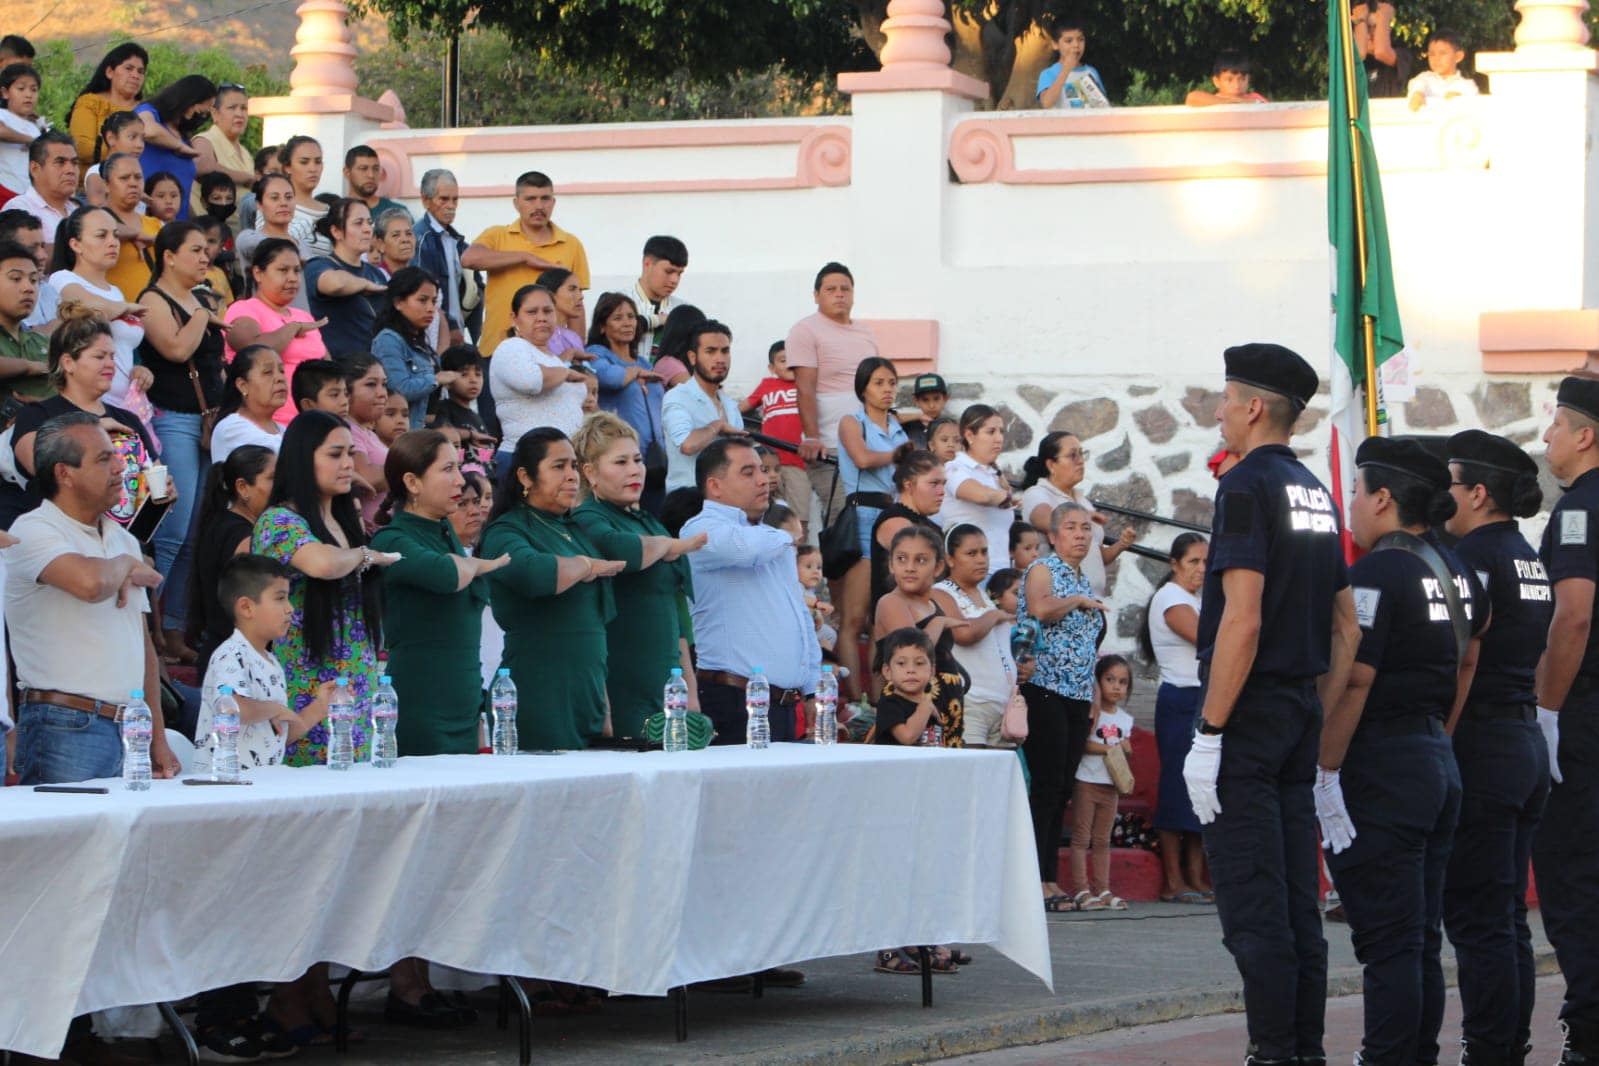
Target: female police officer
(1504,764)
(1384,738)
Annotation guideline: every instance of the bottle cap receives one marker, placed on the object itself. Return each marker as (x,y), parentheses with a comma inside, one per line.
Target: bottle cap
(760,670)
(384,679)
(342,682)
(677,671)
(827,668)
(138,694)
(224,690)
(503,671)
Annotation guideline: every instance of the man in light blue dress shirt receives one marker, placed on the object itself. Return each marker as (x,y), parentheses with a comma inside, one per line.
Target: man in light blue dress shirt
(699,411)
(747,607)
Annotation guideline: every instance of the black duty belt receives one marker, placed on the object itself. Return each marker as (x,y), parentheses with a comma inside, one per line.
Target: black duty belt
(1404,725)
(1487,712)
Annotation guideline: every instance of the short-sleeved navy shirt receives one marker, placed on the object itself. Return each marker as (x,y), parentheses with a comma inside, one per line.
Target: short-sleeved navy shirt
(1571,549)
(1274,517)
(1522,604)
(1405,631)
(352,320)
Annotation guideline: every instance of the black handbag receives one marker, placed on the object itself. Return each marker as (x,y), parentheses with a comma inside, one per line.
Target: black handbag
(654,454)
(840,542)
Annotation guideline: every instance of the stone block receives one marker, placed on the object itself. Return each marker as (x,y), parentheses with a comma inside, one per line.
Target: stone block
(1036,397)
(1087,418)
(1018,434)
(1156,423)
(1118,457)
(1190,506)
(1500,403)
(1201,405)
(1431,409)
(1309,419)
(1142,390)
(1172,464)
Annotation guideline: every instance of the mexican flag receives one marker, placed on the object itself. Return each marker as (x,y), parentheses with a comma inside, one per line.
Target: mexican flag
(1354,203)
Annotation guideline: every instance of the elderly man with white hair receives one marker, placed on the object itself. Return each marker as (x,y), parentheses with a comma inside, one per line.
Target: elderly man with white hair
(438,251)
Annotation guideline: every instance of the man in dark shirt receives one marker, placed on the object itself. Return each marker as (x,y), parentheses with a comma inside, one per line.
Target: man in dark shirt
(1276,615)
(1385,749)
(1504,766)
(1565,855)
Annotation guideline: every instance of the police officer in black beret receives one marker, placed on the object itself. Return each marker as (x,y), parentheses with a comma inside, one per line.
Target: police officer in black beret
(1565,851)
(1276,615)
(1504,765)
(1387,789)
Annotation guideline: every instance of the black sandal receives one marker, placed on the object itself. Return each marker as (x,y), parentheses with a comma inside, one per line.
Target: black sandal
(1059,904)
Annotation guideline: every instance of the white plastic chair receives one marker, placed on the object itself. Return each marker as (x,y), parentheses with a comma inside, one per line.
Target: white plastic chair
(182,748)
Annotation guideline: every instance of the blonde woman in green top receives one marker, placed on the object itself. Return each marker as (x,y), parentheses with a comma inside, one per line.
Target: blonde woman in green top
(651,631)
(434,599)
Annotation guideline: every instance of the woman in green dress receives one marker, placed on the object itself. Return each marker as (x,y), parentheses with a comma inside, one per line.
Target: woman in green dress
(433,597)
(651,632)
(550,599)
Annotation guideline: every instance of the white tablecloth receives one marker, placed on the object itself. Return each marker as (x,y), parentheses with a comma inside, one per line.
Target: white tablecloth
(629,872)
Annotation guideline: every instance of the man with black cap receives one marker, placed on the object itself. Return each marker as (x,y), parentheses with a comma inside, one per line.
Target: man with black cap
(1384,748)
(1504,765)
(1276,615)
(931,396)
(1565,851)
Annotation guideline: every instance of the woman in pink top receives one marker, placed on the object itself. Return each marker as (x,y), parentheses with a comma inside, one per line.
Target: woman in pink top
(268,317)
(369,394)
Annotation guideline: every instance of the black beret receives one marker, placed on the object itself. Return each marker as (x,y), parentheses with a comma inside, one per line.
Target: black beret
(1404,457)
(1484,449)
(1273,368)
(1581,395)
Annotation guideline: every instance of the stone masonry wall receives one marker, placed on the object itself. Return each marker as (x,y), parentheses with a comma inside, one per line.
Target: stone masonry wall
(1148,440)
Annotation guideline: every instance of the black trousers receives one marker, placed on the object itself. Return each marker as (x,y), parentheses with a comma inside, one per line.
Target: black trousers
(1565,857)
(1504,779)
(724,706)
(1263,863)
(1403,794)
(1057,730)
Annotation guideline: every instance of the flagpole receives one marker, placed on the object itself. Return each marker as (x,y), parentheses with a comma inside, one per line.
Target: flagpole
(1352,107)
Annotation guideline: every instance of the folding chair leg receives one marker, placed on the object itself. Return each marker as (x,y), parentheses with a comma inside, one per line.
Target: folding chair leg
(680,1011)
(758,985)
(926,956)
(341,1017)
(511,988)
(169,1013)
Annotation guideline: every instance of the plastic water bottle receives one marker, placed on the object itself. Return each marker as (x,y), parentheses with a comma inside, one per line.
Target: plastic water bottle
(225,736)
(933,735)
(826,731)
(758,703)
(1024,637)
(385,716)
(502,698)
(341,726)
(674,732)
(137,727)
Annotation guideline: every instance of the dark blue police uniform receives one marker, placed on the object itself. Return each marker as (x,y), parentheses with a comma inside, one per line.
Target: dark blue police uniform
(1565,850)
(1402,790)
(1504,777)
(1275,518)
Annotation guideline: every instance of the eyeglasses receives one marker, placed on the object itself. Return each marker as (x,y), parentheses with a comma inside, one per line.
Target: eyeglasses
(1083,454)
(231,86)
(1461,484)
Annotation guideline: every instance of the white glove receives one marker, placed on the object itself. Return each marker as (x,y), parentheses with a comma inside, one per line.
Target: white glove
(1199,774)
(1337,828)
(1549,722)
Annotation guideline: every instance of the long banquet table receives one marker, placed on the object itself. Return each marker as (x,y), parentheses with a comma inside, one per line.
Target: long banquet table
(630,872)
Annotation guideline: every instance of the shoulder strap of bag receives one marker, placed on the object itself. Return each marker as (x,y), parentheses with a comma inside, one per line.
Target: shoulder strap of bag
(1445,577)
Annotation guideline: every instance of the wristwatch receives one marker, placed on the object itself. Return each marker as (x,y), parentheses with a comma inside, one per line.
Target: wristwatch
(1206,729)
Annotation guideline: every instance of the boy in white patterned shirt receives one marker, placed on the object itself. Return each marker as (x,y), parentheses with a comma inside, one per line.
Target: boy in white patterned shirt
(1442,79)
(255,591)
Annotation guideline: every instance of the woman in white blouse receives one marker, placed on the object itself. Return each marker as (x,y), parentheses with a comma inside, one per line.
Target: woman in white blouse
(975,491)
(86,247)
(982,646)
(1171,630)
(531,387)
(1052,478)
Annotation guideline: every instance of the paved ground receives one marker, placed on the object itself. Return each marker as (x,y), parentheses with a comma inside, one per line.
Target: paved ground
(1155,963)
(1215,1040)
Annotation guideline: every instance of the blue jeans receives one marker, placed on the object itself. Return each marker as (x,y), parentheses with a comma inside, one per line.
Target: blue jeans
(173,544)
(56,745)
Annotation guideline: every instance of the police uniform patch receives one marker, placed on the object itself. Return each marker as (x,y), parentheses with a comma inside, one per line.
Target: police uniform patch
(1573,528)
(1366,600)
(1237,513)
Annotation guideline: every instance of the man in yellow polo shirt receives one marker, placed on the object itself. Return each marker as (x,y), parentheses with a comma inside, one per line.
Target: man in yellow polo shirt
(515,255)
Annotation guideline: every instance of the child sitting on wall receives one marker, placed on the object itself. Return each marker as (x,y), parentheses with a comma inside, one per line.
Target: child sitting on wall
(1230,75)
(1442,79)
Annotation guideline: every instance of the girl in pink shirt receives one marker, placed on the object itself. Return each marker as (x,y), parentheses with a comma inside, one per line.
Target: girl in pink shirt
(268,317)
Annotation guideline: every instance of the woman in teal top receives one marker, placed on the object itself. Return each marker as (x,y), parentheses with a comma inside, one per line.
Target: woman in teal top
(650,633)
(434,600)
(549,599)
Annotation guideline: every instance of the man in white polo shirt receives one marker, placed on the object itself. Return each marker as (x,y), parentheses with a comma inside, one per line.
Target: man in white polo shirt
(699,410)
(52,178)
(76,593)
(823,351)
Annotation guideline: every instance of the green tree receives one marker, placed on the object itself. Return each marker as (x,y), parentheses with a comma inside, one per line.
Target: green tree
(1149,49)
(63,74)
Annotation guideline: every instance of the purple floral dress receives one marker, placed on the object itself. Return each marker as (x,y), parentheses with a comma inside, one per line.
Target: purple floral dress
(279,533)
